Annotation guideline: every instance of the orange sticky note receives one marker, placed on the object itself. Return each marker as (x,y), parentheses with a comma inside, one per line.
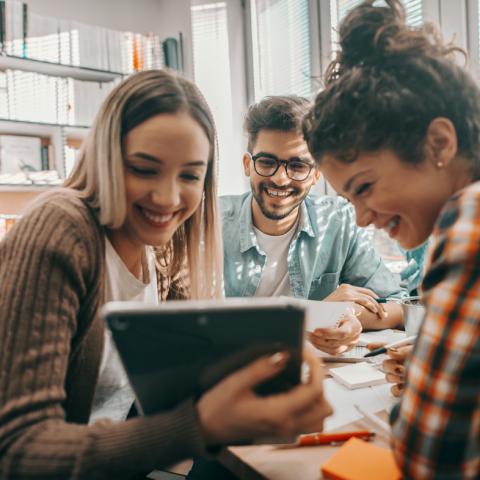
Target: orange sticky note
(358,460)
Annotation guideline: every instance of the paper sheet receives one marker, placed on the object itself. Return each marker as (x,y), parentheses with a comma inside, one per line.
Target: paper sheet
(372,399)
(320,314)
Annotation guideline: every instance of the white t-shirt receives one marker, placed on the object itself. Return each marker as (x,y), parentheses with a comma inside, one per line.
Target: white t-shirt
(113,395)
(275,280)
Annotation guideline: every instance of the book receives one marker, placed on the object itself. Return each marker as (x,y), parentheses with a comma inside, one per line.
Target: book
(358,375)
(358,460)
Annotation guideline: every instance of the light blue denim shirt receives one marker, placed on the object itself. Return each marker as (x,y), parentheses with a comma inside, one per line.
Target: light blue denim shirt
(328,249)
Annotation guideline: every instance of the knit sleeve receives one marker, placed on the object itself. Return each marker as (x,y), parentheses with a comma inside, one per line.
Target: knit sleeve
(48,269)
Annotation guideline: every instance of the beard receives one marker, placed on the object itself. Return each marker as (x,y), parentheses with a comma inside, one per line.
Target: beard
(277,212)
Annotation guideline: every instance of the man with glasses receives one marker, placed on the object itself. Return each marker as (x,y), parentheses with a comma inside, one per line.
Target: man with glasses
(279,240)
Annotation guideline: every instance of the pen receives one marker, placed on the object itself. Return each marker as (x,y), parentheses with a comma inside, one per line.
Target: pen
(398,343)
(382,300)
(329,438)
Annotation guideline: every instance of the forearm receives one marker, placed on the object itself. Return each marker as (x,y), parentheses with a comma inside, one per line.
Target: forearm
(54,449)
(371,321)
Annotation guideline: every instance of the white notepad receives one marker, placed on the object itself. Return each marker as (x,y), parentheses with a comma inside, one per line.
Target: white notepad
(358,375)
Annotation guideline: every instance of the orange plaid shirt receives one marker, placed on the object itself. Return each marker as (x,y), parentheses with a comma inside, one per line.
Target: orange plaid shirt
(437,432)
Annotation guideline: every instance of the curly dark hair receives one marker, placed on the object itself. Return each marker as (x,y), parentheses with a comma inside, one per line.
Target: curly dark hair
(280,112)
(385,86)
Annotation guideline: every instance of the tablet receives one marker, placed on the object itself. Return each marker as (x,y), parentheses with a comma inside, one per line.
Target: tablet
(180,349)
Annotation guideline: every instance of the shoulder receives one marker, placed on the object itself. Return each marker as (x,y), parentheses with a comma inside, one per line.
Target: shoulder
(461,211)
(65,209)
(231,205)
(456,234)
(330,206)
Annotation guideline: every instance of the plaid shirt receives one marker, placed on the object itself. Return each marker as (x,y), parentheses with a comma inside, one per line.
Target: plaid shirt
(437,433)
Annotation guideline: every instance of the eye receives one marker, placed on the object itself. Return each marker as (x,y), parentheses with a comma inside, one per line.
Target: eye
(362,189)
(141,171)
(298,166)
(265,162)
(191,177)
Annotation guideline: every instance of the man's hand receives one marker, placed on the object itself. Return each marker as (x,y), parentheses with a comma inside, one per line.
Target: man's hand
(359,295)
(340,339)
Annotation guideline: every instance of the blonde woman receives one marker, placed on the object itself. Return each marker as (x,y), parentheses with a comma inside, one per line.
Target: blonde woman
(145,177)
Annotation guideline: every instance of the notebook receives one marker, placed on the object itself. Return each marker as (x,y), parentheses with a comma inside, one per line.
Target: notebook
(359,460)
(358,375)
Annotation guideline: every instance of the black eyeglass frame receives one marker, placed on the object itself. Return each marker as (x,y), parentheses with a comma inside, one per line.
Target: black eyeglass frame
(280,163)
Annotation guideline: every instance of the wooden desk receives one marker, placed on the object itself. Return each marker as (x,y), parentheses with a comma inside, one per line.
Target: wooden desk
(256,462)
(259,462)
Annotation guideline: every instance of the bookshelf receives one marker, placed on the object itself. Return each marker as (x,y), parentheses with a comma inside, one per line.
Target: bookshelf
(10,62)
(54,74)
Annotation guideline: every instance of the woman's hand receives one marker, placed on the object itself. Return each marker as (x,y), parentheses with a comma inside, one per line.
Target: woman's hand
(394,368)
(339,339)
(232,412)
(359,295)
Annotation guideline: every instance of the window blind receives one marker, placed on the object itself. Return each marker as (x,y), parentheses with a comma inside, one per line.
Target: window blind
(281,47)
(339,8)
(211,65)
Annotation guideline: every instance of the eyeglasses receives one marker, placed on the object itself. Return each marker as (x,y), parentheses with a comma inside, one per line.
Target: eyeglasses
(266,165)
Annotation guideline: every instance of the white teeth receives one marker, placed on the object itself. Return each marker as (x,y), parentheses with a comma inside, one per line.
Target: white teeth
(392,224)
(157,218)
(278,193)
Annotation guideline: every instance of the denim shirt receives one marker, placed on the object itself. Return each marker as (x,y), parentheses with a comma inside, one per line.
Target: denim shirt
(327,249)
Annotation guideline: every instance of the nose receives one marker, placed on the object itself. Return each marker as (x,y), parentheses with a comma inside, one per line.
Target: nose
(281,178)
(166,193)
(364,215)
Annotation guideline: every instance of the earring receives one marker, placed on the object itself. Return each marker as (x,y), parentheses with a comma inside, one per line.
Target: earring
(439,164)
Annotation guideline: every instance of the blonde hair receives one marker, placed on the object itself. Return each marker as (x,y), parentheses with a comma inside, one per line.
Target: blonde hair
(98,176)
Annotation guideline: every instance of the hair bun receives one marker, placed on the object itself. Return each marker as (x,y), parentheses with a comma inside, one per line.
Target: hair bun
(367,31)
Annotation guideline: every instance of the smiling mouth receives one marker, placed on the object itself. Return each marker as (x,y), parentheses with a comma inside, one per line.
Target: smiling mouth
(156,219)
(392,227)
(276,193)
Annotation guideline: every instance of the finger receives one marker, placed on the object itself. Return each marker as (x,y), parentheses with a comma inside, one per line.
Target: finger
(397,389)
(257,371)
(375,345)
(312,420)
(382,312)
(390,366)
(400,353)
(368,303)
(297,399)
(394,378)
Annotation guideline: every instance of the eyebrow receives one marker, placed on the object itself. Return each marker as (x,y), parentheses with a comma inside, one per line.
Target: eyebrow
(348,183)
(271,155)
(152,158)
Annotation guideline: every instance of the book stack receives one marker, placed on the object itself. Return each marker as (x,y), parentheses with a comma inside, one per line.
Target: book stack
(26,34)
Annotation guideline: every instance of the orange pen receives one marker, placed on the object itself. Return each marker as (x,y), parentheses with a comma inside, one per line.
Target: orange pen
(331,438)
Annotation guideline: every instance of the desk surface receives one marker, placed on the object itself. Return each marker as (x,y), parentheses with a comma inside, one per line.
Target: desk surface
(255,462)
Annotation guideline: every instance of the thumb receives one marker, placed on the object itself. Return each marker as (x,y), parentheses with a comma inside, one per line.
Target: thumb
(258,371)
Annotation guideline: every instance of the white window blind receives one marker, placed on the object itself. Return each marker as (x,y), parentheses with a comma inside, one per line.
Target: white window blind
(211,66)
(281,47)
(339,8)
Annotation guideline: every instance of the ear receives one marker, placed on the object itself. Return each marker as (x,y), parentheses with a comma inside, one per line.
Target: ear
(246,164)
(316,175)
(441,142)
